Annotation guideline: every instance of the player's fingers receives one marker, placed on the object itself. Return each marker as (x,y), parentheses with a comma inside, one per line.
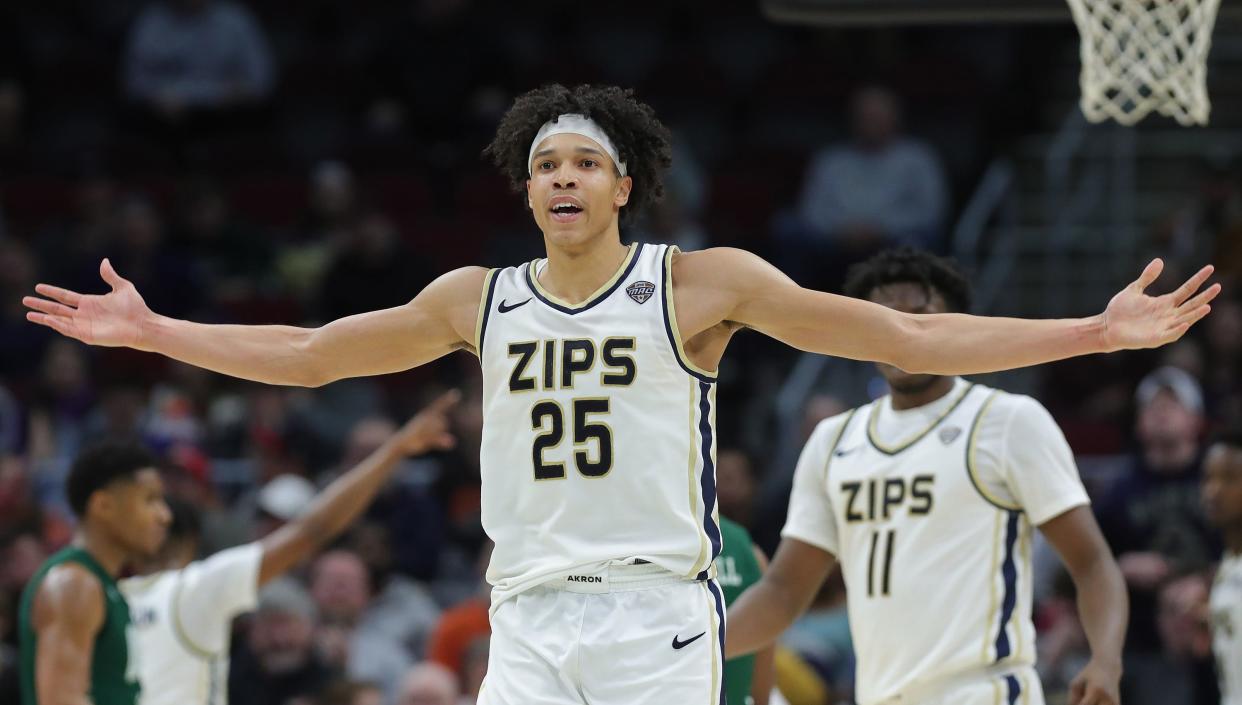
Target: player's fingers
(1076,691)
(445,401)
(1150,274)
(109,274)
(445,441)
(1192,284)
(1192,316)
(69,298)
(60,324)
(1204,297)
(46,306)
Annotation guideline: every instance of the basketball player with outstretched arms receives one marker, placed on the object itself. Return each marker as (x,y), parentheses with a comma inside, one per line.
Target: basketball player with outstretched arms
(599,370)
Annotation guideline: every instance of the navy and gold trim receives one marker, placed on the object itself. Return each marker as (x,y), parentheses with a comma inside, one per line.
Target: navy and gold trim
(708,476)
(485,309)
(602,293)
(1013,688)
(718,673)
(670,321)
(894,450)
(971,444)
(1009,573)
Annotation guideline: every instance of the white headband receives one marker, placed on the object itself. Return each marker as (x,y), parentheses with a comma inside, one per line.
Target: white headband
(574,124)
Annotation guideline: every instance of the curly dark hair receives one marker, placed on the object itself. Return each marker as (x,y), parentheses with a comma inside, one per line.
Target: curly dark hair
(906,265)
(642,141)
(99,466)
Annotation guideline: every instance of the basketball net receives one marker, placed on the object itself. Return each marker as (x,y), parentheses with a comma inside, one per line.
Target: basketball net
(1145,55)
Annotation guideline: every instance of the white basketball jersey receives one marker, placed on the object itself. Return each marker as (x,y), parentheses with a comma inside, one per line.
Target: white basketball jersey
(936,562)
(1227,628)
(181,621)
(599,434)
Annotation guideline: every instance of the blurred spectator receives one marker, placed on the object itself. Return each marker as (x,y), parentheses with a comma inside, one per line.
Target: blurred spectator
(1222,376)
(280,500)
(168,282)
(350,693)
(331,209)
(429,684)
(1206,229)
(278,662)
(187,56)
(371,271)
(878,190)
(1183,622)
(236,258)
(1154,522)
(356,629)
(21,344)
(462,625)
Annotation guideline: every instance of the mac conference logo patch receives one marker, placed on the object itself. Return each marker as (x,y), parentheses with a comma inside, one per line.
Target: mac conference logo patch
(949,434)
(640,291)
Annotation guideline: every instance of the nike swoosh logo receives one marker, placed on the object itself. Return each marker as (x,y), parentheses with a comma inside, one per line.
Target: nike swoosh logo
(504,306)
(681,644)
(842,452)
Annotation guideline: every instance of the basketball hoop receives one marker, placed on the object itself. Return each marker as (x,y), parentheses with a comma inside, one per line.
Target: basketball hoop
(1145,55)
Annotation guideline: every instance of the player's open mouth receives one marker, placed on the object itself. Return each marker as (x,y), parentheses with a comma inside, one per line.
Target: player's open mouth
(565,212)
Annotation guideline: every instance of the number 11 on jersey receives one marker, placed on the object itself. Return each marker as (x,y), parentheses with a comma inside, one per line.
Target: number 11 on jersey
(880,562)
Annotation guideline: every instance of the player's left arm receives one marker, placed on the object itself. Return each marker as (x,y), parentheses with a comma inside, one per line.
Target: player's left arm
(1103,605)
(764,677)
(731,285)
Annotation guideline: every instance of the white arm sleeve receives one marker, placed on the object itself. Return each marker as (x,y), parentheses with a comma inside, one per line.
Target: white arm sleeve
(811,518)
(211,592)
(1025,460)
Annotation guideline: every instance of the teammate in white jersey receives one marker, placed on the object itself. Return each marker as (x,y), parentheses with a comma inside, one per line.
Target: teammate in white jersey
(599,383)
(181,611)
(927,498)
(1222,499)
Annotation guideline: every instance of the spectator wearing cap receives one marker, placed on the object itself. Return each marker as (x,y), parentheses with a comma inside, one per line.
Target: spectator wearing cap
(282,499)
(278,662)
(1154,522)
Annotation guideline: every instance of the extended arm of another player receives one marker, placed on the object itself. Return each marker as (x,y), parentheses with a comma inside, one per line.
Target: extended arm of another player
(343,500)
(784,592)
(68,614)
(761,297)
(764,677)
(437,321)
(1103,604)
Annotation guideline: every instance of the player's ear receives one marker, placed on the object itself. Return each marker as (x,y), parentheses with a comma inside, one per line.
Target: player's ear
(624,185)
(530,202)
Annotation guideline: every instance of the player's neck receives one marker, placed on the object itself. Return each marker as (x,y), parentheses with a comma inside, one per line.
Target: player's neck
(913,400)
(107,553)
(574,274)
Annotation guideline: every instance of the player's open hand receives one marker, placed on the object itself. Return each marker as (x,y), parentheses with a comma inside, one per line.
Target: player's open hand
(429,429)
(113,320)
(1097,684)
(1135,320)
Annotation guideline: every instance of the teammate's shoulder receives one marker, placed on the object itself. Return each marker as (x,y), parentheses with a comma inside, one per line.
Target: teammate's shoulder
(1005,404)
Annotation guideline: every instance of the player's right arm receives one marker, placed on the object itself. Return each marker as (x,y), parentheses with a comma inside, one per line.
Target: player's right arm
(437,321)
(68,614)
(784,592)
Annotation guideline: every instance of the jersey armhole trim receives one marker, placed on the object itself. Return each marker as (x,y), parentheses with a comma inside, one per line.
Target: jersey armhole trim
(670,321)
(971,471)
(485,309)
(179,629)
(837,441)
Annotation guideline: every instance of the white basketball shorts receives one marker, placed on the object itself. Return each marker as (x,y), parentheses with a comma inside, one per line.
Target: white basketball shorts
(626,635)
